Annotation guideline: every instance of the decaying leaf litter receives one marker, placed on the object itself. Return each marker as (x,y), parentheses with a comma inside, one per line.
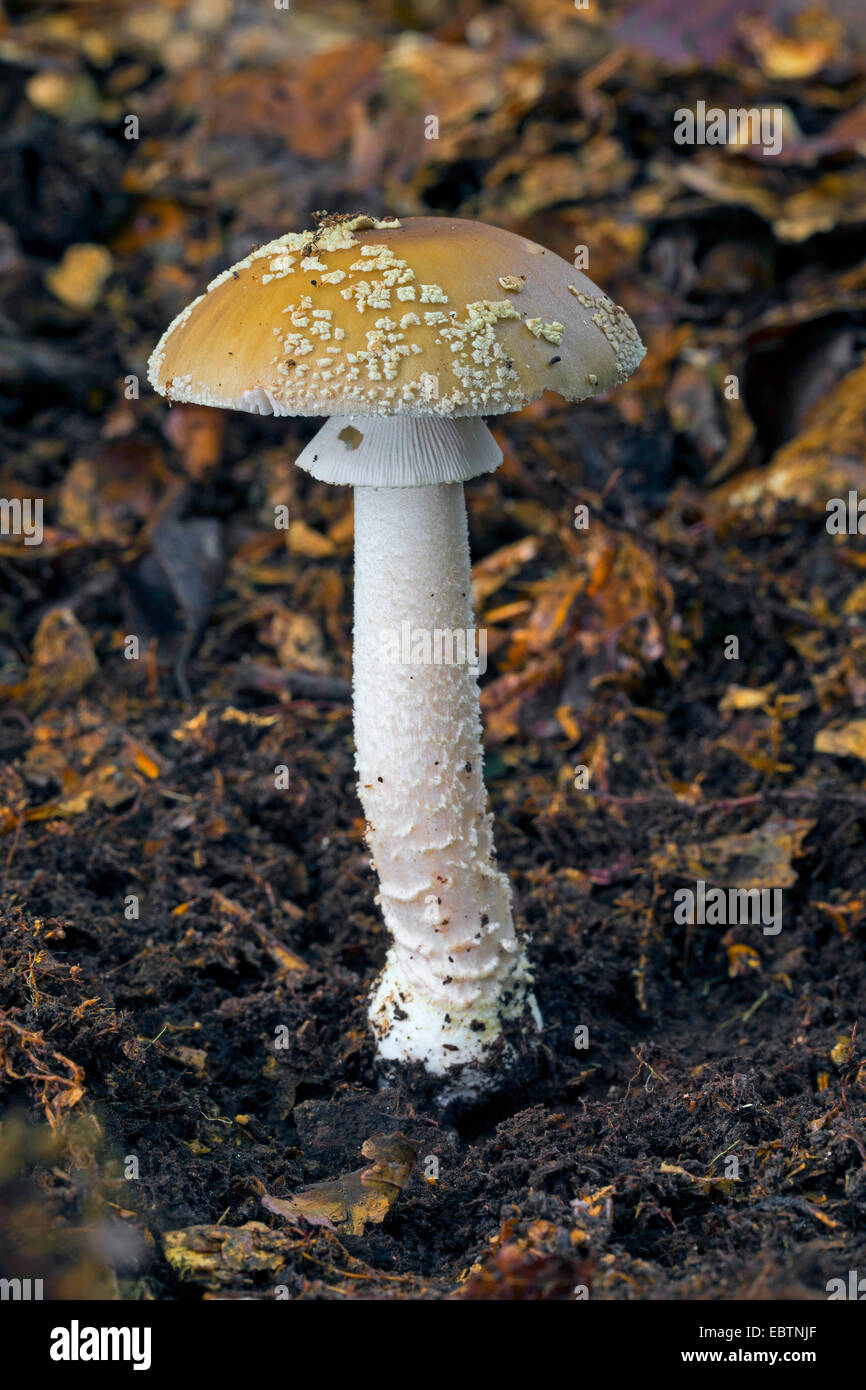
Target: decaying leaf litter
(176,1148)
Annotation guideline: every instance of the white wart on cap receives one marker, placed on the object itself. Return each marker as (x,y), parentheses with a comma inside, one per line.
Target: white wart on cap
(429,316)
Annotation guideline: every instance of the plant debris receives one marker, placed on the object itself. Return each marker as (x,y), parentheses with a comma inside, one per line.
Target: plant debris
(672,582)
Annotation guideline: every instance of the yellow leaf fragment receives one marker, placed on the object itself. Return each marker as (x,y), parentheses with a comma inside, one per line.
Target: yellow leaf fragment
(848,741)
(739,697)
(356,1199)
(841,1053)
(759,858)
(79,278)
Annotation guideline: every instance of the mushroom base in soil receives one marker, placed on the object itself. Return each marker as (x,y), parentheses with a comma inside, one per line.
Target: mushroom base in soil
(456,971)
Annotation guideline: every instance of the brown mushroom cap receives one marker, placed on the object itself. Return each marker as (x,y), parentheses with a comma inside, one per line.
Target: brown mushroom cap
(365,317)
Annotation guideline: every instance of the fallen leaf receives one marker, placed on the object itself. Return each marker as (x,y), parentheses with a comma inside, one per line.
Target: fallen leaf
(358,1198)
(789,57)
(79,279)
(684,34)
(843,1049)
(742,959)
(63,662)
(220,1256)
(113,488)
(303,540)
(824,461)
(496,569)
(756,859)
(740,697)
(848,741)
(197,433)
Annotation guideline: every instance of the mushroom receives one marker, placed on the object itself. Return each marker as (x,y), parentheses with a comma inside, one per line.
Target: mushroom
(405,334)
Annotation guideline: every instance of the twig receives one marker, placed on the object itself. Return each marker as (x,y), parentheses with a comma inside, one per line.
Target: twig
(250,676)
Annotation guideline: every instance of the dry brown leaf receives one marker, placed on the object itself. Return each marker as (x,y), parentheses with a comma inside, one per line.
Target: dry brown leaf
(197,433)
(824,461)
(496,569)
(848,741)
(298,641)
(457,84)
(303,540)
(63,662)
(814,43)
(112,488)
(756,859)
(502,699)
(742,959)
(837,199)
(358,1198)
(217,1256)
(740,697)
(79,279)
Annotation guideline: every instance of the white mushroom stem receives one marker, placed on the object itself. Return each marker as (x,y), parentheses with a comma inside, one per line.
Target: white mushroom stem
(455,970)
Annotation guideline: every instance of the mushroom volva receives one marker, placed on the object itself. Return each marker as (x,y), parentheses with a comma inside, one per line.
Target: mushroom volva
(405,334)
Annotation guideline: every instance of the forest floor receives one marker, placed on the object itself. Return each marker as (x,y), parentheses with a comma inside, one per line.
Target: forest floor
(189,1089)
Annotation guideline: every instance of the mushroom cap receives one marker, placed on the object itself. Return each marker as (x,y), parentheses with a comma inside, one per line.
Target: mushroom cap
(431,315)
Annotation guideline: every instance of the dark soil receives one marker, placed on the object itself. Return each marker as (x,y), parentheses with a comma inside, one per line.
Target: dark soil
(684,1063)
